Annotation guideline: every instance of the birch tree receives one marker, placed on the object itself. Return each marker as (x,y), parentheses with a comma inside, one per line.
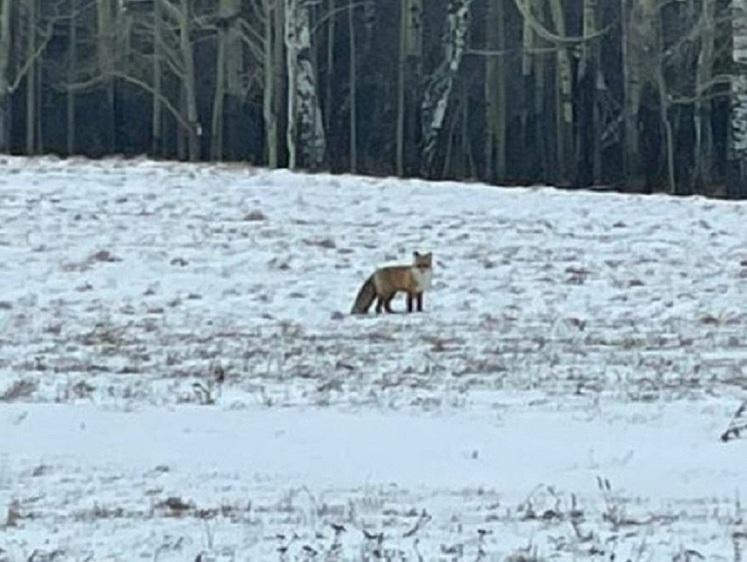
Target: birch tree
(590,82)
(5,19)
(737,148)
(564,115)
(72,63)
(495,92)
(157,104)
(679,68)
(174,49)
(353,78)
(330,63)
(106,51)
(32,78)
(438,90)
(532,91)
(184,20)
(41,19)
(702,115)
(304,123)
(274,64)
(168,74)
(637,45)
(408,75)
(25,33)
(293,16)
(227,13)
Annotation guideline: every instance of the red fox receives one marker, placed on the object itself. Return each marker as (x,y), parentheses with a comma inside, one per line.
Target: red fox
(384,283)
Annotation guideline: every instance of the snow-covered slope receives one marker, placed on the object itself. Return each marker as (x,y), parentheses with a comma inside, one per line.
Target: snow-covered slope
(564,390)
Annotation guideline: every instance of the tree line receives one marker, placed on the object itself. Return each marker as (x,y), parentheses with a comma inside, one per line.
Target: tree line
(636,95)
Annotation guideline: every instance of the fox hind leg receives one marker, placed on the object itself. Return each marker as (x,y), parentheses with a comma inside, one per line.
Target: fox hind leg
(388,302)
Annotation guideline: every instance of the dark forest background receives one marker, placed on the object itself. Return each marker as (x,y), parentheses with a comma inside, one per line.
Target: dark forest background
(635,95)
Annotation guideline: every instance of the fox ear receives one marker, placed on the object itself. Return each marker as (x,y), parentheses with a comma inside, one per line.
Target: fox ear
(416,254)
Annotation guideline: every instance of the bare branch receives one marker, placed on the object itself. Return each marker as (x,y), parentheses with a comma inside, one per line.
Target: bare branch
(718,80)
(47,37)
(103,78)
(548,35)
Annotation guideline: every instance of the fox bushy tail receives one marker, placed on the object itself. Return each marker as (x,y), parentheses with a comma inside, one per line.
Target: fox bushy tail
(365,297)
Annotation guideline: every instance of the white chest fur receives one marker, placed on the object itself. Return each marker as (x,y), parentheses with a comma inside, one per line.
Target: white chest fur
(422,278)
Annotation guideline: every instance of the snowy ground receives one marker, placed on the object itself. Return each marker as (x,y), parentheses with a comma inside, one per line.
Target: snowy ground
(562,395)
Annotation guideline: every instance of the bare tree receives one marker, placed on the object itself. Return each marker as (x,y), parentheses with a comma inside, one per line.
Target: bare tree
(704,148)
(330,63)
(304,122)
(72,63)
(638,33)
(657,73)
(274,63)
(227,13)
(408,76)
(660,63)
(495,91)
(32,78)
(158,56)
(279,76)
(184,18)
(25,33)
(5,19)
(737,149)
(590,84)
(106,41)
(564,114)
(438,91)
(353,88)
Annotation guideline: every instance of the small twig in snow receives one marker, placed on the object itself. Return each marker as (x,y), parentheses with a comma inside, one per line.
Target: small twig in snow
(737,424)
(423,519)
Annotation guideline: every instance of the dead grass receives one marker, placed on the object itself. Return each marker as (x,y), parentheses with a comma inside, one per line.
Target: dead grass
(99,256)
(255,216)
(18,390)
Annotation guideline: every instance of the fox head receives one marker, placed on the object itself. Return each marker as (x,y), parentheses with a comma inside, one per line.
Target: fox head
(422,261)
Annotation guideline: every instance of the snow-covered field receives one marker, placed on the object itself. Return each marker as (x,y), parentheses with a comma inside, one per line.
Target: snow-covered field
(562,395)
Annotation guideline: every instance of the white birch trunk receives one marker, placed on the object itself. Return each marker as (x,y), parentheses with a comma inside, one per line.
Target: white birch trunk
(304,128)
(268,93)
(291,54)
(438,91)
(738,144)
